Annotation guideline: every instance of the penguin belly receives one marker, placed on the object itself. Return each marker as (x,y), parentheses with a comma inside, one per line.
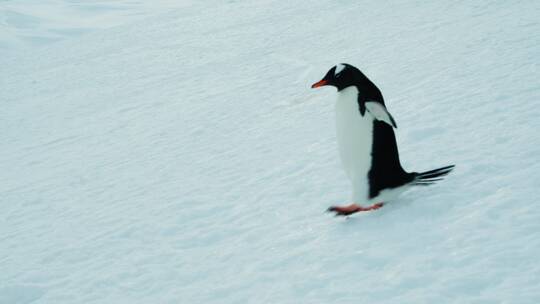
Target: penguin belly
(355,141)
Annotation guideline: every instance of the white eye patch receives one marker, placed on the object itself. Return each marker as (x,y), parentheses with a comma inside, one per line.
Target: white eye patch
(339,68)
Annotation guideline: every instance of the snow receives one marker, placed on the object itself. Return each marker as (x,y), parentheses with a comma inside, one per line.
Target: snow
(32,23)
(181,157)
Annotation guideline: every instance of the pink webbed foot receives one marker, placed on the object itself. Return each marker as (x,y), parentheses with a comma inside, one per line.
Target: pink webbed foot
(353,208)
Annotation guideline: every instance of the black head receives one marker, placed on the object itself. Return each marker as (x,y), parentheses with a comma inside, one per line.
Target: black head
(340,76)
(345,75)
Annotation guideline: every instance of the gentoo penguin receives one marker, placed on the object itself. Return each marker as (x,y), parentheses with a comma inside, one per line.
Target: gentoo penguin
(367,144)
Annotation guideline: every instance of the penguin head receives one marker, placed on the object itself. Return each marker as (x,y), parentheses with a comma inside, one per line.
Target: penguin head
(340,76)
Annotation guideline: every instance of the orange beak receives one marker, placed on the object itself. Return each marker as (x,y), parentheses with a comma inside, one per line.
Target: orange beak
(319,84)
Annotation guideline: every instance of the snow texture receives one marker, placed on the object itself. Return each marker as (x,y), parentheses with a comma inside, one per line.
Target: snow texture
(183,158)
(31,23)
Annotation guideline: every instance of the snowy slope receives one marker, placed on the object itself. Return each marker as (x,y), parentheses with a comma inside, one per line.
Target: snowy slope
(183,158)
(31,23)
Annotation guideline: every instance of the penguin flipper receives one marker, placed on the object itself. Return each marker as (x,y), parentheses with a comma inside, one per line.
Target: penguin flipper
(380,112)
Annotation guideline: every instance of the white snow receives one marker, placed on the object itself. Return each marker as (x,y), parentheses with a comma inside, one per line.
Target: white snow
(183,158)
(32,23)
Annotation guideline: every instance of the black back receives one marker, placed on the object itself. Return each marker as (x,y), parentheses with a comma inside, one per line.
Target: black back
(386,170)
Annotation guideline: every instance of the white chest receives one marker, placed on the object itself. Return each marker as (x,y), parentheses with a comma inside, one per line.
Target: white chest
(355,138)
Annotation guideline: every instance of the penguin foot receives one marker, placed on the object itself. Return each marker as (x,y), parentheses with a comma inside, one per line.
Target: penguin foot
(352,208)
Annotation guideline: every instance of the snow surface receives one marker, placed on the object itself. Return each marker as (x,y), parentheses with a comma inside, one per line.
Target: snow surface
(31,23)
(183,158)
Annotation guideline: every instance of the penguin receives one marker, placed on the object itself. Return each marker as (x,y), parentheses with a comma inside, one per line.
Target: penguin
(367,143)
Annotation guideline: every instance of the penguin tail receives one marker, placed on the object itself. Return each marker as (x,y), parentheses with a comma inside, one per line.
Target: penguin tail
(430,177)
